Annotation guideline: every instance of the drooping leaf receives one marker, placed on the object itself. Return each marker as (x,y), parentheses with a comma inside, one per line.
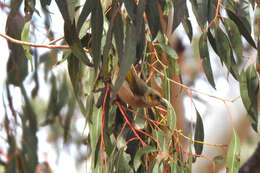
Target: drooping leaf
(15,5)
(225,53)
(145,150)
(212,5)
(75,72)
(258,57)
(95,130)
(30,127)
(153,17)
(234,36)
(129,56)
(204,55)
(67,11)
(249,85)
(171,116)
(108,43)
(88,5)
(257,24)
(118,33)
(200,10)
(212,41)
(179,7)
(131,9)
(233,154)
(122,162)
(44,3)
(97,30)
(170,51)
(73,40)
(242,28)
(17,68)
(199,134)
(240,10)
(25,37)
(140,29)
(186,23)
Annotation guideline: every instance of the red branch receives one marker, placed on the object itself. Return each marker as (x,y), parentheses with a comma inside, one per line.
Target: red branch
(130,125)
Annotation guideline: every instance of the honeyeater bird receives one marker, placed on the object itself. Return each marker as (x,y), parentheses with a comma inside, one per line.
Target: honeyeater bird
(135,92)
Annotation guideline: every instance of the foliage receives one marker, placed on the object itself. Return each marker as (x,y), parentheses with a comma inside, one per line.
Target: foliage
(103,34)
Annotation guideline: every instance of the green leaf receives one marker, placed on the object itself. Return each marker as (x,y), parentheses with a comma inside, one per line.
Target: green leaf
(145,150)
(153,18)
(84,14)
(73,40)
(170,51)
(249,85)
(204,55)
(75,72)
(118,33)
(225,52)
(89,106)
(66,8)
(233,154)
(256,23)
(242,28)
(131,9)
(212,6)
(44,3)
(187,24)
(199,134)
(200,10)
(241,11)
(25,37)
(97,30)
(17,64)
(94,132)
(171,116)
(258,57)
(234,36)
(180,8)
(109,34)
(129,57)
(122,162)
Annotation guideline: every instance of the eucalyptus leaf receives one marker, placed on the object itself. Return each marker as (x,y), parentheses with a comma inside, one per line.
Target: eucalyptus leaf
(233,154)
(204,55)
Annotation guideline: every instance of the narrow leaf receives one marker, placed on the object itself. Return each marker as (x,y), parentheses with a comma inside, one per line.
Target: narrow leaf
(242,28)
(97,30)
(73,40)
(179,7)
(249,85)
(170,51)
(84,14)
(233,154)
(145,150)
(199,134)
(25,37)
(129,57)
(200,10)
(153,17)
(171,116)
(204,55)
(66,8)
(234,36)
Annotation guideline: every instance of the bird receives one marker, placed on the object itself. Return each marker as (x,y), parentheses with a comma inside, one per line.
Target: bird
(136,93)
